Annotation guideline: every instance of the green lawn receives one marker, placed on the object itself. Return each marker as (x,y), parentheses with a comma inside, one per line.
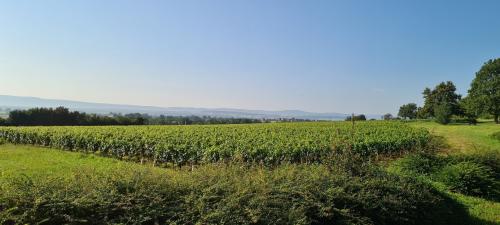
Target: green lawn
(467,139)
(464,138)
(34,161)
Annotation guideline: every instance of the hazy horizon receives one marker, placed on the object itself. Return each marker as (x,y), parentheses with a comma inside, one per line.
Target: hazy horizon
(111,103)
(316,56)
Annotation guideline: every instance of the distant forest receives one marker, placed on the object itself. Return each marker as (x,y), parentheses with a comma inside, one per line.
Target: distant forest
(61,116)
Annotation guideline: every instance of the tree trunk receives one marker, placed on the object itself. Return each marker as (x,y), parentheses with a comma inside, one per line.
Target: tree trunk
(496,118)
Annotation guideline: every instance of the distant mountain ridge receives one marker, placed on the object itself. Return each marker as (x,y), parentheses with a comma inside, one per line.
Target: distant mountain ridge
(18,102)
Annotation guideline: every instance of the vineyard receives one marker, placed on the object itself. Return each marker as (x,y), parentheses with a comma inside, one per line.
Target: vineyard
(272,143)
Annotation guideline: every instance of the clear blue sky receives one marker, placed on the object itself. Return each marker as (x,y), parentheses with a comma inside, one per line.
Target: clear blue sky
(323,56)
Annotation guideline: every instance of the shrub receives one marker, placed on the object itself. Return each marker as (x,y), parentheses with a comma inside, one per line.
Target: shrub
(489,159)
(468,178)
(220,194)
(496,136)
(418,164)
(443,113)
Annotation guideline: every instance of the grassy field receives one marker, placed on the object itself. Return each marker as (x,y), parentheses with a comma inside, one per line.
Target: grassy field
(464,138)
(36,161)
(469,141)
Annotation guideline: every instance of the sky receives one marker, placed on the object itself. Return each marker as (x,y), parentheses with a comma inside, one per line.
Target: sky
(322,56)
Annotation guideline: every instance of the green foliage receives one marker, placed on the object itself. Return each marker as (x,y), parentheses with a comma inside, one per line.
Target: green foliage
(496,135)
(408,111)
(387,116)
(468,178)
(273,143)
(218,194)
(61,116)
(444,94)
(360,117)
(485,89)
(488,159)
(188,120)
(418,164)
(475,174)
(422,114)
(443,113)
(468,144)
(470,110)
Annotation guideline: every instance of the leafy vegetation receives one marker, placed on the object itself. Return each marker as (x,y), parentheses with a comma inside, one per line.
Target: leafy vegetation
(467,170)
(39,185)
(257,143)
(496,135)
(360,117)
(485,90)
(61,116)
(387,116)
(443,113)
(442,102)
(468,178)
(408,111)
(188,120)
(45,186)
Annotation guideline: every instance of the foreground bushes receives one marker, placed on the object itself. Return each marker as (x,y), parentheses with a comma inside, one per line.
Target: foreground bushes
(496,136)
(468,178)
(219,194)
(475,174)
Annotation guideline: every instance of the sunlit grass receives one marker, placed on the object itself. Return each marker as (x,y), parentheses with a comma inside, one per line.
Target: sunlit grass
(464,138)
(30,160)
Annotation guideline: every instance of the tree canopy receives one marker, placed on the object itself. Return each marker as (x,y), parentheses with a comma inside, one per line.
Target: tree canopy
(408,111)
(443,94)
(484,92)
(61,116)
(64,117)
(360,117)
(387,116)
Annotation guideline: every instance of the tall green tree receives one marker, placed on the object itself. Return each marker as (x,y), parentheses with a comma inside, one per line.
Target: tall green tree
(485,89)
(443,94)
(408,111)
(470,109)
(360,117)
(387,116)
(443,113)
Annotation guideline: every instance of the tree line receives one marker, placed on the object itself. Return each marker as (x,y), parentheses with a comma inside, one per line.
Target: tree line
(360,117)
(442,102)
(62,116)
(188,120)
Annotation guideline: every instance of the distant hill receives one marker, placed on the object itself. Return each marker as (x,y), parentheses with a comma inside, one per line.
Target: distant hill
(17,102)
